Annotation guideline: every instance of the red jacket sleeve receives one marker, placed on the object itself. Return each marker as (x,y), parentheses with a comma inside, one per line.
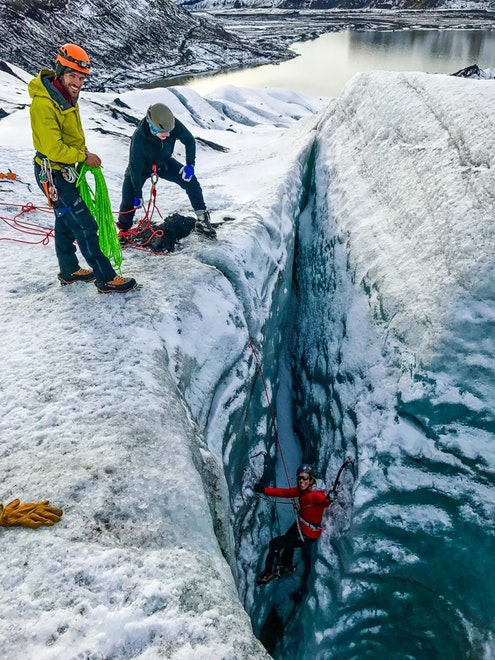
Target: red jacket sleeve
(283,492)
(318,497)
(312,505)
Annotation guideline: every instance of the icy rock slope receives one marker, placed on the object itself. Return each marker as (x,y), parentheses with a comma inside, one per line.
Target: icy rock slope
(394,364)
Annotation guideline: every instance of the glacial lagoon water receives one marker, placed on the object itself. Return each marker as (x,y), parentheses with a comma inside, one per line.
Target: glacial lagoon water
(324,66)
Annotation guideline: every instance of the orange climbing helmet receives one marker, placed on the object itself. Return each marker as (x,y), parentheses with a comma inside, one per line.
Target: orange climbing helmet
(72,57)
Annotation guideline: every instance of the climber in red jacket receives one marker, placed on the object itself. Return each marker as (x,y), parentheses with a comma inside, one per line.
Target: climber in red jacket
(301,534)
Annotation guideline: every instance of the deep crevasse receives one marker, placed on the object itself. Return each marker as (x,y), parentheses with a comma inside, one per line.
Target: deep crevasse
(393,264)
(384,245)
(393,361)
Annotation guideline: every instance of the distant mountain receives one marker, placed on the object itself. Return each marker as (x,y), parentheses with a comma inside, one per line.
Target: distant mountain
(128,42)
(136,43)
(339,4)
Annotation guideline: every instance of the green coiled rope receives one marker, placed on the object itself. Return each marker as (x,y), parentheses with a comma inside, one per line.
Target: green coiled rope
(98,203)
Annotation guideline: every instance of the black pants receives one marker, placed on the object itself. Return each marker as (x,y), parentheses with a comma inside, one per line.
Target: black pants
(281,550)
(74,222)
(168,171)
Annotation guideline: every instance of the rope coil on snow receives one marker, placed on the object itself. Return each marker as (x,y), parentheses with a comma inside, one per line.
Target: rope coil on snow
(26,227)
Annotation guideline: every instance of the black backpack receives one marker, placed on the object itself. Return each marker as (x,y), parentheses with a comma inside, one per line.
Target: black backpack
(164,237)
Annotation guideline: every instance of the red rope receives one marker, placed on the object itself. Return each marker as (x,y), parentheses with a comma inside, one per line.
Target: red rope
(26,227)
(145,223)
(279,445)
(277,437)
(46,233)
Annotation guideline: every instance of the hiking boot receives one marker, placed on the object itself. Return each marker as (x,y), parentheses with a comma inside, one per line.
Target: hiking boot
(204,226)
(81,275)
(117,285)
(123,238)
(266,577)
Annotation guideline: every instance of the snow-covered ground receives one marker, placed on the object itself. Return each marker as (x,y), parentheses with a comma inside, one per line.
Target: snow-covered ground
(106,402)
(134,413)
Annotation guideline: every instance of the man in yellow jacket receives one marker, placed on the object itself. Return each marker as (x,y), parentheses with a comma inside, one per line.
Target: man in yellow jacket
(60,144)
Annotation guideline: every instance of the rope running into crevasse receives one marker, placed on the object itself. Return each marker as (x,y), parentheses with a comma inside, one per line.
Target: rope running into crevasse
(277,437)
(275,429)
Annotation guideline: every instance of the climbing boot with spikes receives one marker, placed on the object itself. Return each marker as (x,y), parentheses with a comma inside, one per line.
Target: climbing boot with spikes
(266,577)
(204,226)
(81,275)
(117,285)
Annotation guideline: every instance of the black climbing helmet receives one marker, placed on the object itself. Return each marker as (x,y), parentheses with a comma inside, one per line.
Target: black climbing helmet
(307,468)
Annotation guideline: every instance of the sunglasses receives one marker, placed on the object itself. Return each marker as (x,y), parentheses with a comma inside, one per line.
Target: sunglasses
(157,131)
(303,478)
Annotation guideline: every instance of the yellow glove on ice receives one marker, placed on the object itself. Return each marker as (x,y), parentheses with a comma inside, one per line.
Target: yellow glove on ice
(31,514)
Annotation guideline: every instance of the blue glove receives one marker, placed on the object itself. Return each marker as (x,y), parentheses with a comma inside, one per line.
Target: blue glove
(137,202)
(187,172)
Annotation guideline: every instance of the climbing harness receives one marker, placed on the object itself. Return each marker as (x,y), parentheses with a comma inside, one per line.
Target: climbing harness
(315,528)
(98,203)
(46,180)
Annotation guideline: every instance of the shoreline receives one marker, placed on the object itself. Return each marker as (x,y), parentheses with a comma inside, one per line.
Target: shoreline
(288,27)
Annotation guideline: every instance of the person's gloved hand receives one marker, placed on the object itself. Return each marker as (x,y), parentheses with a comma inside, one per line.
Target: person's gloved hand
(137,202)
(187,172)
(30,514)
(259,488)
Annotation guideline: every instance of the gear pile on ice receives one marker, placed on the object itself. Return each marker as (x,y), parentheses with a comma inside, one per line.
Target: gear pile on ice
(164,237)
